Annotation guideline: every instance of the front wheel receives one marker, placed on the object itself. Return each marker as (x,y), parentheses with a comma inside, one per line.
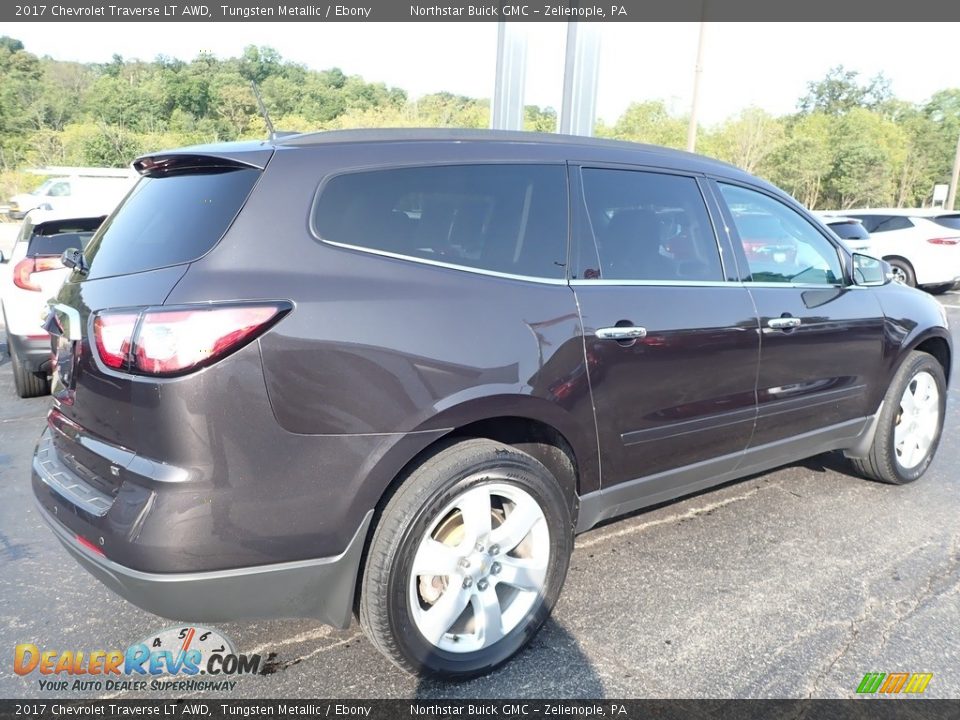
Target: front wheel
(467,560)
(910,422)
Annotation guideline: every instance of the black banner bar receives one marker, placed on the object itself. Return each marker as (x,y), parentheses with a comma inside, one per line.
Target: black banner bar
(214,709)
(478,11)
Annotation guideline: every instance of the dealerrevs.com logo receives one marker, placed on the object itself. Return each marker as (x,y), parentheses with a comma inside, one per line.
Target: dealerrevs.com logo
(171,659)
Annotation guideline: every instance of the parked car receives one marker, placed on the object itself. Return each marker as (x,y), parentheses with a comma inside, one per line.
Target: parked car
(851,232)
(922,246)
(71,195)
(394,372)
(34,274)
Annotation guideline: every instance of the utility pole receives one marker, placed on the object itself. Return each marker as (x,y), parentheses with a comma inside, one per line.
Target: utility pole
(952,195)
(506,111)
(694,105)
(581,70)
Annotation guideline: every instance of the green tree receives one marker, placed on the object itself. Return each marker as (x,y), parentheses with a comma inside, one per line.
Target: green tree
(841,91)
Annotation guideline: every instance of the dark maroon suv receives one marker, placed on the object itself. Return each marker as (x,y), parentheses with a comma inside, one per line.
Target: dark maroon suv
(393,373)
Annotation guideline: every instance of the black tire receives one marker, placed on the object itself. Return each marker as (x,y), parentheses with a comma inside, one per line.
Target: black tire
(385,601)
(27,384)
(909,277)
(881,461)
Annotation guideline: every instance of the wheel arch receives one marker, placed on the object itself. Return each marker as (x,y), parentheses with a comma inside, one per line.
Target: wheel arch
(936,345)
(535,426)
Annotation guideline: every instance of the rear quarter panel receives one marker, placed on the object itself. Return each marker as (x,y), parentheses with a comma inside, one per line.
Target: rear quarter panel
(377,345)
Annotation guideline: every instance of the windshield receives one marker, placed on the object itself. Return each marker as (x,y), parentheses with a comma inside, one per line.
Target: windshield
(43,188)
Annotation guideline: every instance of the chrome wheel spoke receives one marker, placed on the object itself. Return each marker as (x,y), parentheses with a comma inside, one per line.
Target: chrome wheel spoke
(517,525)
(908,403)
(435,558)
(528,575)
(438,620)
(489,616)
(474,507)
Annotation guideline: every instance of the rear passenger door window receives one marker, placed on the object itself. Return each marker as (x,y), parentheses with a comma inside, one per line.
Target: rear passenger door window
(780,245)
(509,219)
(645,226)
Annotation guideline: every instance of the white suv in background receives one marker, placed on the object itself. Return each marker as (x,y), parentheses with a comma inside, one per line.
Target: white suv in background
(851,232)
(922,246)
(33,275)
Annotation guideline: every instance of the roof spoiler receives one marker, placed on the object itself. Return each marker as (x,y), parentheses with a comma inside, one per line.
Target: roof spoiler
(174,162)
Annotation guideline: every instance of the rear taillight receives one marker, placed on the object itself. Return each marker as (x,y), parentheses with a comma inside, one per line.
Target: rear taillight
(944,241)
(113,333)
(174,341)
(23,271)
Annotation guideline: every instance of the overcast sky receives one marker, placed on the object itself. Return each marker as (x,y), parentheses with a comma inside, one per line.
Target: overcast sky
(746,64)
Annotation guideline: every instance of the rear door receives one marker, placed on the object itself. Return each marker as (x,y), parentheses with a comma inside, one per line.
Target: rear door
(821,338)
(671,345)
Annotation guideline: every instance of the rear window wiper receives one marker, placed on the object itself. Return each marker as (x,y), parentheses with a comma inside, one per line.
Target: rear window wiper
(73,258)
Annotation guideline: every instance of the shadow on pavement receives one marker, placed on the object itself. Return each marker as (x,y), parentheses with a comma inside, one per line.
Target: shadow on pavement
(551,666)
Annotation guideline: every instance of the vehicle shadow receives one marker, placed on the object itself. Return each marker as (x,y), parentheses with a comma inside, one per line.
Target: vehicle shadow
(552,665)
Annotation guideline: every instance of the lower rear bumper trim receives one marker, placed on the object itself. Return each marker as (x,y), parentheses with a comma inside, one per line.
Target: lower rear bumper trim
(322,588)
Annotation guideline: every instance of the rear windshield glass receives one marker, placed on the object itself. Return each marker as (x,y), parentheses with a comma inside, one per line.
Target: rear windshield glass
(168,220)
(949,221)
(52,238)
(850,230)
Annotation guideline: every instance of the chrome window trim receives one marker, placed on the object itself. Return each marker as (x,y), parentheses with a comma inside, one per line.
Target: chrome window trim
(448,266)
(654,283)
(803,286)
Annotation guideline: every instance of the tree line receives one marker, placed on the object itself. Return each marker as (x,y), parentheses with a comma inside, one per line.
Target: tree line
(849,143)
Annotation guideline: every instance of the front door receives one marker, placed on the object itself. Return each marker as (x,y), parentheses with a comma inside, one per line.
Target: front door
(821,337)
(671,345)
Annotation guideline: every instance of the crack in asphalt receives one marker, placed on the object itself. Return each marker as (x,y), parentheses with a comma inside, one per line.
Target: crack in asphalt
(931,589)
(274,665)
(687,515)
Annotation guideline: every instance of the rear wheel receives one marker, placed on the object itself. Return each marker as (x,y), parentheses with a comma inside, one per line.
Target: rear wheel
(902,272)
(910,423)
(467,560)
(27,384)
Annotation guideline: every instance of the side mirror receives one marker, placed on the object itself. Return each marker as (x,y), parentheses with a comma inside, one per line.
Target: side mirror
(870,271)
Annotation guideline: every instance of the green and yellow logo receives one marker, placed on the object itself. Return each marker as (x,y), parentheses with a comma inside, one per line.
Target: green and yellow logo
(892,683)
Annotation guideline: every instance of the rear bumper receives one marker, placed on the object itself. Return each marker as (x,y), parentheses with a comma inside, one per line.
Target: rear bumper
(34,352)
(321,588)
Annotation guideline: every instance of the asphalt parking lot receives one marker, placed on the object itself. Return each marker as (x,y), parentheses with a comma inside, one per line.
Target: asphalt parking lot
(793,583)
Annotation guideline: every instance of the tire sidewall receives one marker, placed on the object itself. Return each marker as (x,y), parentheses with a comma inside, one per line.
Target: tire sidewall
(920,363)
(510,468)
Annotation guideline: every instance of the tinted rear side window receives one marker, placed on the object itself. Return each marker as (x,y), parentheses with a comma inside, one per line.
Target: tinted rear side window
(504,218)
(169,219)
(646,226)
(884,223)
(850,230)
(948,221)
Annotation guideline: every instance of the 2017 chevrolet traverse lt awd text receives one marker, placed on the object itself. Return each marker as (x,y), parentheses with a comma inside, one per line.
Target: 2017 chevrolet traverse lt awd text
(393,373)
